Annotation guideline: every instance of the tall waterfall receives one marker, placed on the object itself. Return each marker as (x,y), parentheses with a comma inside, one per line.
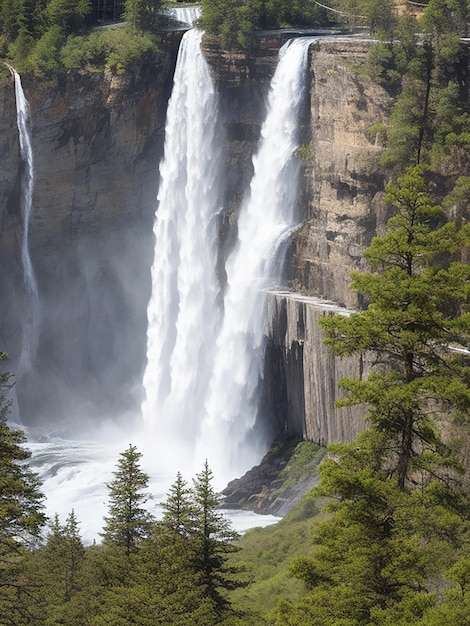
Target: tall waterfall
(203,373)
(184,313)
(266,220)
(29,343)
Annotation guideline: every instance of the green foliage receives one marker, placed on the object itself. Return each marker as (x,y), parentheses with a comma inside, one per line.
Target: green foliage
(45,58)
(416,308)
(50,36)
(68,15)
(213,540)
(235,21)
(21,508)
(422,66)
(142,14)
(128,522)
(117,49)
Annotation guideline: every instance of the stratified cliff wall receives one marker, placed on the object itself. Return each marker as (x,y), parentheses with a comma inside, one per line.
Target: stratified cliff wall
(97,141)
(344,182)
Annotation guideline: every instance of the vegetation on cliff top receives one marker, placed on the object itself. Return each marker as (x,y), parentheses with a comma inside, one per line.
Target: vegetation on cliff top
(53,35)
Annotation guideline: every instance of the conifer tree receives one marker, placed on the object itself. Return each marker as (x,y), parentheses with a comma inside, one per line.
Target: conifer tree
(128,522)
(21,506)
(417,325)
(178,508)
(213,541)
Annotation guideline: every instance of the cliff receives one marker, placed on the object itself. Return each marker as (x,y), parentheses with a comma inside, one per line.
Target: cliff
(344,182)
(97,141)
(303,374)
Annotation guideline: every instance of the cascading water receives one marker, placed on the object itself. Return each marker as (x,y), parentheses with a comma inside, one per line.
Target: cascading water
(193,393)
(30,324)
(183,312)
(203,368)
(266,220)
(186,15)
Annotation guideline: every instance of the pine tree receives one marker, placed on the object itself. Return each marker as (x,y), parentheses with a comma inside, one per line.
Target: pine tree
(213,541)
(21,506)
(128,522)
(418,327)
(178,508)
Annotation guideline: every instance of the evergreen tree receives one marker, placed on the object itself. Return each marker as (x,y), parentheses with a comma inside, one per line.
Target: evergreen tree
(127,522)
(388,543)
(21,507)
(142,14)
(213,541)
(417,316)
(178,508)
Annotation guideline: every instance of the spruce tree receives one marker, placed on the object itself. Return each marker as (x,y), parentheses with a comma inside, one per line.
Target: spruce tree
(213,541)
(178,508)
(128,522)
(21,508)
(416,327)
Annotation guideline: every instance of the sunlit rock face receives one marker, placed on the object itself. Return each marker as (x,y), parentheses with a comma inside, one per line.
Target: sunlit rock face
(343,204)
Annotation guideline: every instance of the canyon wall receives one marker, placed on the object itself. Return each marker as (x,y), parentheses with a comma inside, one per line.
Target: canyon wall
(97,141)
(340,209)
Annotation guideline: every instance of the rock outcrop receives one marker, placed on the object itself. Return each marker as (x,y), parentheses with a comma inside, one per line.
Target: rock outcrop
(343,200)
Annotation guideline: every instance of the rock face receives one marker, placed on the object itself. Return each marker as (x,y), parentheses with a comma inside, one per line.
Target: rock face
(97,141)
(303,375)
(344,183)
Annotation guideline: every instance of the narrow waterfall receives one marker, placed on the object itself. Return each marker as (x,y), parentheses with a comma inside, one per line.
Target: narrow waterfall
(184,312)
(266,220)
(30,324)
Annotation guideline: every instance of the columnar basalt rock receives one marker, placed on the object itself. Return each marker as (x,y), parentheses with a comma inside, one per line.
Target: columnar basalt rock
(308,375)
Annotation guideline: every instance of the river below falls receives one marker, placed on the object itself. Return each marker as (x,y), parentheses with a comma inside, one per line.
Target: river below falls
(74,475)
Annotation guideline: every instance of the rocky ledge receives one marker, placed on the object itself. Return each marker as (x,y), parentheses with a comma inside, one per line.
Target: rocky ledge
(285,474)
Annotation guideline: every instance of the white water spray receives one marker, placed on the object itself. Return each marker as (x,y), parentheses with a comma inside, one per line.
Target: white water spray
(266,220)
(183,312)
(29,344)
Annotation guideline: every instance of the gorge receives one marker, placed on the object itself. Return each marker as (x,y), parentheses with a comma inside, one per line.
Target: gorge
(97,141)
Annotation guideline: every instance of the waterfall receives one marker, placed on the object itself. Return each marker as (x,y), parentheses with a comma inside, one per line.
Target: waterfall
(184,312)
(29,343)
(266,219)
(186,15)
(204,368)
